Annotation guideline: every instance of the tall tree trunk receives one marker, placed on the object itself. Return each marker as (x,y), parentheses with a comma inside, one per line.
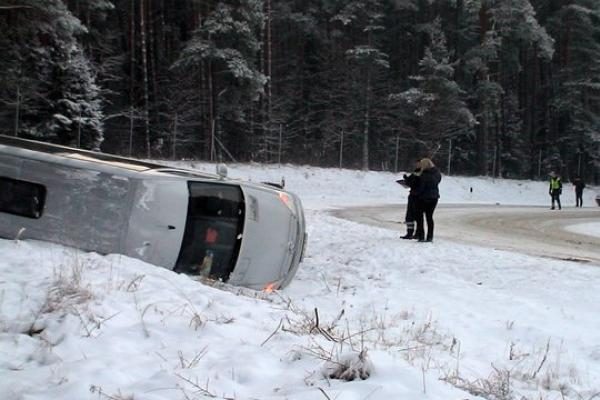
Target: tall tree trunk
(264,100)
(483,142)
(145,76)
(174,138)
(498,152)
(365,144)
(531,108)
(17,108)
(153,55)
(132,76)
(268,72)
(205,98)
(164,45)
(211,110)
(483,128)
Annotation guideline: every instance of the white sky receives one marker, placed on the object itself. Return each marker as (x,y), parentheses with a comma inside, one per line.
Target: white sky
(79,326)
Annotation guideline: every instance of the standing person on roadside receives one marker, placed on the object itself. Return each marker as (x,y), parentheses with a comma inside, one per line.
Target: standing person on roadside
(555,189)
(412,182)
(427,194)
(579,186)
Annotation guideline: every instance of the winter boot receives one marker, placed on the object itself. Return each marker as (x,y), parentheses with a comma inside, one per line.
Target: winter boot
(410,230)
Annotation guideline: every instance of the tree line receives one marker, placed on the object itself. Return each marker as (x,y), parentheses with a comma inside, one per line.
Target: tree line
(505,88)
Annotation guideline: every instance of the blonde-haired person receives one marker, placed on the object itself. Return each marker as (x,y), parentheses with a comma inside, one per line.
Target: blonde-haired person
(427,195)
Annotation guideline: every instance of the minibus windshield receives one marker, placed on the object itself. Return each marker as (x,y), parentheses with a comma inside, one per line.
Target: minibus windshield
(213,230)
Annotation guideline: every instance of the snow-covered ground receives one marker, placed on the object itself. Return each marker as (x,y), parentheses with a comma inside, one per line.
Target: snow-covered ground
(591,229)
(424,321)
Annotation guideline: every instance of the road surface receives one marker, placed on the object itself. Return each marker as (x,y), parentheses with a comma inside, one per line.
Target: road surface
(531,230)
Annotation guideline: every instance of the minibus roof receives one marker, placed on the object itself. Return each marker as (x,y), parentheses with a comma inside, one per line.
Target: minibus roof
(85,155)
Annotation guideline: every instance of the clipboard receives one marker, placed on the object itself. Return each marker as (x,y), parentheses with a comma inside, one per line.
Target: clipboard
(402,183)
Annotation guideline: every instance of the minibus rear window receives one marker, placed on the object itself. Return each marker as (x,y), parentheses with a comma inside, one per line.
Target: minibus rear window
(22,198)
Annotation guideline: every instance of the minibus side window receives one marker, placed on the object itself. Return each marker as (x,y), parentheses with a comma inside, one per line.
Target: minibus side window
(22,198)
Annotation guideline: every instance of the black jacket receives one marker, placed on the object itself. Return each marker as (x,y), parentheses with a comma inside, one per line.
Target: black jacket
(412,181)
(579,185)
(428,184)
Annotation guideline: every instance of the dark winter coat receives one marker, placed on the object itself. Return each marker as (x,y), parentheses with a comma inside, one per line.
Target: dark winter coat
(428,184)
(412,181)
(579,185)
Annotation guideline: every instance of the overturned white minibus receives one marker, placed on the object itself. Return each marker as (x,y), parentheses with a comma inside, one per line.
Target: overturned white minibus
(244,233)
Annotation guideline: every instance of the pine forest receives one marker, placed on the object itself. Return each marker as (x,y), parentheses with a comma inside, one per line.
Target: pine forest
(503,88)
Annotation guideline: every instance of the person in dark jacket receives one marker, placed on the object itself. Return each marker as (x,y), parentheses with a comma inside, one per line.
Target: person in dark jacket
(427,194)
(412,182)
(555,189)
(579,186)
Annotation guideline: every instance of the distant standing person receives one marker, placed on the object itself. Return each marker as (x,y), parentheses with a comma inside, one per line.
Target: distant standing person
(579,186)
(412,182)
(427,194)
(555,189)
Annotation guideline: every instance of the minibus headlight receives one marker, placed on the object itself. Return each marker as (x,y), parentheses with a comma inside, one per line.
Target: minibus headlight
(288,201)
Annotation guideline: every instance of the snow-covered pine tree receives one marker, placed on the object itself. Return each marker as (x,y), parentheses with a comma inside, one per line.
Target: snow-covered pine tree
(512,45)
(364,19)
(224,49)
(76,109)
(18,88)
(436,99)
(525,50)
(576,26)
(53,75)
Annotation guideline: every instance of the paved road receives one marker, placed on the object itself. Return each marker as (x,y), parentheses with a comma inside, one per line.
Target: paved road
(530,230)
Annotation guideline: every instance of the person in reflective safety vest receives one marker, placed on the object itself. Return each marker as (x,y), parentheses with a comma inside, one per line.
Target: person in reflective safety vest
(555,189)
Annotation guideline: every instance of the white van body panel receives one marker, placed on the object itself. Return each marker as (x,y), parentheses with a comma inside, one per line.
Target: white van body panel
(157,221)
(86,209)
